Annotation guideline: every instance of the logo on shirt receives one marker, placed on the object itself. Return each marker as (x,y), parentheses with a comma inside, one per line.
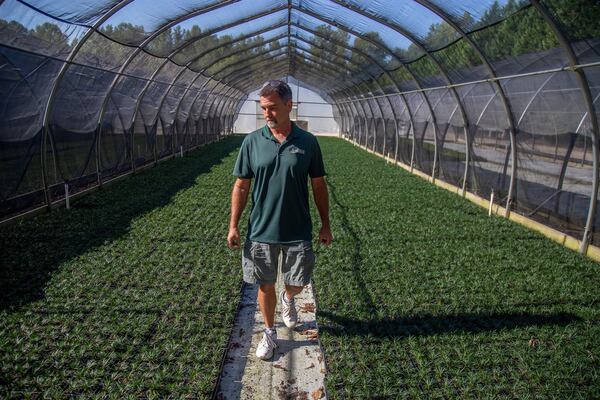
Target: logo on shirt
(295,150)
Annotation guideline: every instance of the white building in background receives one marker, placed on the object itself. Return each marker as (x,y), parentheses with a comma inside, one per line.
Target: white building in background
(308,106)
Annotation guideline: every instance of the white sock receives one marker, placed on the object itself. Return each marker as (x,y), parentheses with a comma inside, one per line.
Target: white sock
(270,331)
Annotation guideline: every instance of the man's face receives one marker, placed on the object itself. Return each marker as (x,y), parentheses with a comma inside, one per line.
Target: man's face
(275,110)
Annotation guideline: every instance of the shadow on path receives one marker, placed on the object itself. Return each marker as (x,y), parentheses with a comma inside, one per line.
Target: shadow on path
(429,325)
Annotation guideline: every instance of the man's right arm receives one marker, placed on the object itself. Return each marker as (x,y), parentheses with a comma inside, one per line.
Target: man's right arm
(239,197)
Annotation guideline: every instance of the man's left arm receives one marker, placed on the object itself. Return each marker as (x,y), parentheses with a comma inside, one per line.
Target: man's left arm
(321,197)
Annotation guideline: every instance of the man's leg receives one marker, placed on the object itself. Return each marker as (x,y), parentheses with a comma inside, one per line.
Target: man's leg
(260,267)
(267,300)
(297,267)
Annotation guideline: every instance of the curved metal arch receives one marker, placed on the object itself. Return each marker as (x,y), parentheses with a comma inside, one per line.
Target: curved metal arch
(227,111)
(205,68)
(358,93)
(289,23)
(203,103)
(325,95)
(217,96)
(350,92)
(178,107)
(134,54)
(314,44)
(374,78)
(221,28)
(492,73)
(411,37)
(222,99)
(347,93)
(235,40)
(251,58)
(54,90)
(252,83)
(383,70)
(368,101)
(338,68)
(238,51)
(389,51)
(265,60)
(227,75)
(360,69)
(142,94)
(244,60)
(228,96)
(159,31)
(319,78)
(341,122)
(587,95)
(191,61)
(211,64)
(138,101)
(225,102)
(351,111)
(217,83)
(200,91)
(535,95)
(239,76)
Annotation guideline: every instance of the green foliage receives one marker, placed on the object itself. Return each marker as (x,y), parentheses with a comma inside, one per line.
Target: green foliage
(125,32)
(579,18)
(424,68)
(367,46)
(130,294)
(458,55)
(524,33)
(423,296)
(51,33)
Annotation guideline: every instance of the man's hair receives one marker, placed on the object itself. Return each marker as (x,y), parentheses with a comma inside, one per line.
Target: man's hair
(276,86)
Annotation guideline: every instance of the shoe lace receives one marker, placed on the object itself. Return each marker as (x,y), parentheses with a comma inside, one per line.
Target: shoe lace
(268,341)
(289,308)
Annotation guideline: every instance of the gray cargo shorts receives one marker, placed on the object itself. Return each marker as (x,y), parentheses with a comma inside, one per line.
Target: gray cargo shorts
(260,262)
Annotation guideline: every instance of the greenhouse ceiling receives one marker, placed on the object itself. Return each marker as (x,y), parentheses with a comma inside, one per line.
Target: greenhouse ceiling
(478,93)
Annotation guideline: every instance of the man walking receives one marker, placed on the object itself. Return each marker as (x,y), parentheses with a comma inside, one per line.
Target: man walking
(279,157)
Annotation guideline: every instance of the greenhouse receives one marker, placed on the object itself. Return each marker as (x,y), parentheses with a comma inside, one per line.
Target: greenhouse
(461,158)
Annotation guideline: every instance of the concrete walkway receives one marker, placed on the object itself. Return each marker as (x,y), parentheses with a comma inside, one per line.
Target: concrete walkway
(297,369)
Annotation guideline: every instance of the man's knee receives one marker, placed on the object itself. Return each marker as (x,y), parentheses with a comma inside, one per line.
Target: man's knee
(293,289)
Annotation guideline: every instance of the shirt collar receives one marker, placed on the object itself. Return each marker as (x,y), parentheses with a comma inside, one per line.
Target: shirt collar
(266,132)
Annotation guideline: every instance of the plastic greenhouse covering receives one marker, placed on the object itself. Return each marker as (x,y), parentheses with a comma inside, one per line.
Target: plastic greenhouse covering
(490,96)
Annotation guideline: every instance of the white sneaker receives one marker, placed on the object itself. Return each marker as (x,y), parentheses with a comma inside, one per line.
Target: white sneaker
(267,346)
(288,311)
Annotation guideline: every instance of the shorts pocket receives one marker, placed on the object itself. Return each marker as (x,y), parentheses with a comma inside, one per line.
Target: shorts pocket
(257,264)
(298,264)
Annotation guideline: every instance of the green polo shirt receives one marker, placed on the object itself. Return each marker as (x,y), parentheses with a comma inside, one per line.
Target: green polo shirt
(280,211)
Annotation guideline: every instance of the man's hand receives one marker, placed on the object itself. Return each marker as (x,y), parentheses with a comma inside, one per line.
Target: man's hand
(325,236)
(233,238)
